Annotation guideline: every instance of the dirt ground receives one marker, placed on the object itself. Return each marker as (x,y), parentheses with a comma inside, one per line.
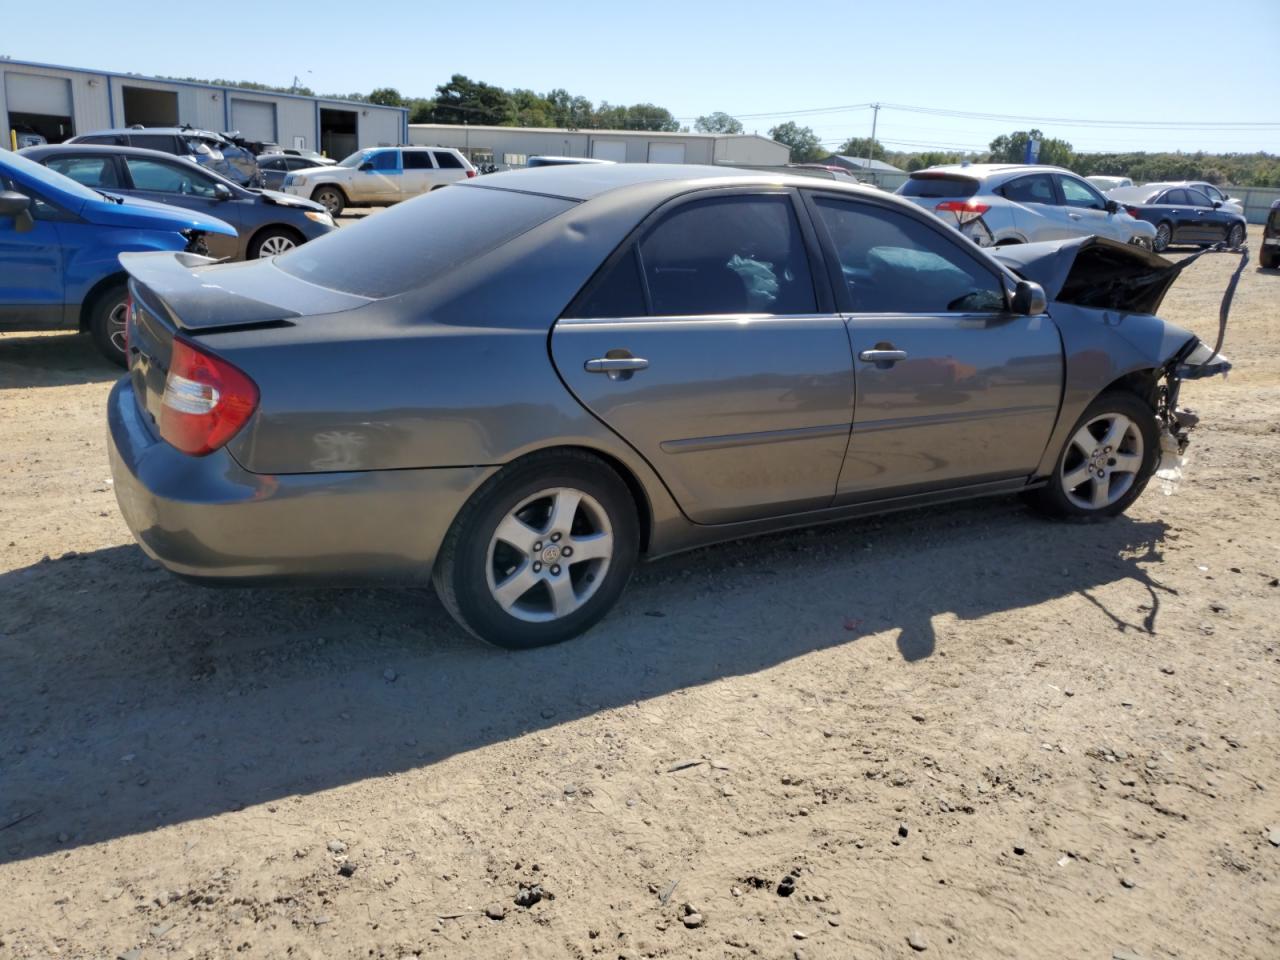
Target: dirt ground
(965,726)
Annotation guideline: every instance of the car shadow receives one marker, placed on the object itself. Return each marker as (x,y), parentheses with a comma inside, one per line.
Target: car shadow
(130,700)
(52,360)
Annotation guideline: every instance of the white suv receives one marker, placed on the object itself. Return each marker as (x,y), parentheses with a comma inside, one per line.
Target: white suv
(379,175)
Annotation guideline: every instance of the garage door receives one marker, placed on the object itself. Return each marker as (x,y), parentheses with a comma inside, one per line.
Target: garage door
(30,93)
(666,153)
(254,119)
(615,150)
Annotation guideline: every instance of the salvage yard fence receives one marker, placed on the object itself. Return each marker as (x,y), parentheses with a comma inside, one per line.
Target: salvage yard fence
(1257,200)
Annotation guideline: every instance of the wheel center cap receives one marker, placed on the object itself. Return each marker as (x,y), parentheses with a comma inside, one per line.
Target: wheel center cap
(551,554)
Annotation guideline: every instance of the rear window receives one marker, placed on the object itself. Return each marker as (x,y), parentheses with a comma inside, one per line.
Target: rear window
(446,161)
(414,243)
(935,185)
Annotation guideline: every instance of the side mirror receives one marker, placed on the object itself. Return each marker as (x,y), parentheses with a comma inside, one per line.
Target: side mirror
(18,206)
(1113,206)
(222,192)
(1217,204)
(1029,299)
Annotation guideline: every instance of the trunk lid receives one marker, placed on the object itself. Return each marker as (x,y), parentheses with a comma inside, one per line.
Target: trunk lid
(928,189)
(183,293)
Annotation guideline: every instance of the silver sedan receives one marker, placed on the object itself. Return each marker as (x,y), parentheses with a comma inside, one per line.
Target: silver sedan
(519,386)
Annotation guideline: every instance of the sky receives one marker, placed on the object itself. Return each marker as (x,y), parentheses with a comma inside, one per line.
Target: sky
(1107,76)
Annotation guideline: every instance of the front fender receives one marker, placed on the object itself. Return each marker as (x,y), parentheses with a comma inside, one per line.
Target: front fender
(1099,348)
(90,262)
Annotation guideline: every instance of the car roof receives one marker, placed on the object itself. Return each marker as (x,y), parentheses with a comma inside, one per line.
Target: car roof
(191,130)
(112,150)
(983,171)
(582,181)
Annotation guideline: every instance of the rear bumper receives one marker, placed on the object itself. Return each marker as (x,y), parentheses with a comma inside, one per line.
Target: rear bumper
(208,518)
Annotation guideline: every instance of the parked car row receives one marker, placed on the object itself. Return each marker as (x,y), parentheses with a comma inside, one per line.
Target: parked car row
(382,175)
(1183,214)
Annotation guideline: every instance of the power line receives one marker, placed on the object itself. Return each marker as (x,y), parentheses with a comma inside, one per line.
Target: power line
(1147,124)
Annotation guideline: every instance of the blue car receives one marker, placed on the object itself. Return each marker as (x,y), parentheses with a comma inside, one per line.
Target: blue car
(59,251)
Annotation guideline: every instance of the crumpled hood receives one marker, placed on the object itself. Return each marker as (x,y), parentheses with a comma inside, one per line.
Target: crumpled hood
(149,215)
(1093,272)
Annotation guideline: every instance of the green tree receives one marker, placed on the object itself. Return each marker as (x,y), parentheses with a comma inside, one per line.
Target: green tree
(463,100)
(718,122)
(531,109)
(1012,148)
(387,97)
(803,142)
(567,110)
(638,116)
(859,147)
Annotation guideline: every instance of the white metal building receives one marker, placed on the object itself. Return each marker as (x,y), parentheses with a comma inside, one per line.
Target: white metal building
(60,102)
(508,147)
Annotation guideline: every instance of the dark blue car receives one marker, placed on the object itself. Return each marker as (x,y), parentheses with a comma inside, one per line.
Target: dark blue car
(59,250)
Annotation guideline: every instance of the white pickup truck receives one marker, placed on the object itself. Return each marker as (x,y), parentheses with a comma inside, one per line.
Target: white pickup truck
(379,175)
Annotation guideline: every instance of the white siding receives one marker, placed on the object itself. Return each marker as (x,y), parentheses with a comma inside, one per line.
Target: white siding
(296,118)
(255,119)
(666,152)
(609,149)
(380,128)
(36,93)
(88,97)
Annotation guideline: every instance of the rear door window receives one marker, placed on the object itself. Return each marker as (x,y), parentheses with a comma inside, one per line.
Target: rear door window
(417,160)
(892,264)
(1175,198)
(730,255)
(1037,188)
(107,139)
(92,171)
(153,141)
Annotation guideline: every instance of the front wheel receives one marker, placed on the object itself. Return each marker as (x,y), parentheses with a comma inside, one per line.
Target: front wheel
(107,321)
(541,552)
(271,242)
(1235,236)
(1164,237)
(331,198)
(1112,452)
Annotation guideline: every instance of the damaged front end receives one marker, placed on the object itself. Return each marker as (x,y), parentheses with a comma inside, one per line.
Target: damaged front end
(1104,297)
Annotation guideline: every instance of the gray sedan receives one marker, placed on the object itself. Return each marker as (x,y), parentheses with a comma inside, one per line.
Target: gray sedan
(268,223)
(519,386)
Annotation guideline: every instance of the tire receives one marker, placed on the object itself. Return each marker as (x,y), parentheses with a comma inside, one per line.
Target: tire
(106,323)
(1128,461)
(1164,237)
(479,573)
(1267,261)
(331,198)
(273,241)
(1235,236)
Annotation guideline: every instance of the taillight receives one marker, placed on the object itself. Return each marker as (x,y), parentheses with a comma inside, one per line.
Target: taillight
(964,210)
(1132,211)
(206,400)
(471,173)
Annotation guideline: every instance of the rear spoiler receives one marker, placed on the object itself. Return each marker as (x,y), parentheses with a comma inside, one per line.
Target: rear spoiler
(199,294)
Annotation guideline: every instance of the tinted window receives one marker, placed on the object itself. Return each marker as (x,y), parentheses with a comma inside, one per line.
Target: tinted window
(387,160)
(417,160)
(935,185)
(275,163)
(731,255)
(169,177)
(297,163)
(152,141)
(1175,198)
(91,171)
(416,242)
(1212,192)
(110,139)
(892,264)
(1198,199)
(446,161)
(615,292)
(1034,189)
(1077,193)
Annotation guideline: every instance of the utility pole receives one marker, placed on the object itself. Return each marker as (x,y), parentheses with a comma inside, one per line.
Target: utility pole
(875,115)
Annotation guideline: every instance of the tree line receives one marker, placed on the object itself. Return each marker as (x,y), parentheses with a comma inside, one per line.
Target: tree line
(463,100)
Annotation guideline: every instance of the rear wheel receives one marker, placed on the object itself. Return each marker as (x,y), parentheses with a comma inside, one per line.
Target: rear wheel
(1235,236)
(1164,237)
(107,320)
(273,241)
(1110,455)
(333,199)
(1267,260)
(541,552)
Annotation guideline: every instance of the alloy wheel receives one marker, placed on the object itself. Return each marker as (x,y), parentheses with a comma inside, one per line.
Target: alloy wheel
(549,555)
(1236,236)
(274,245)
(116,322)
(1102,461)
(1163,236)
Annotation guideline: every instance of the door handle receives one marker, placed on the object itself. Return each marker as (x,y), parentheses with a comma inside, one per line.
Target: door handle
(1074,216)
(878,356)
(618,368)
